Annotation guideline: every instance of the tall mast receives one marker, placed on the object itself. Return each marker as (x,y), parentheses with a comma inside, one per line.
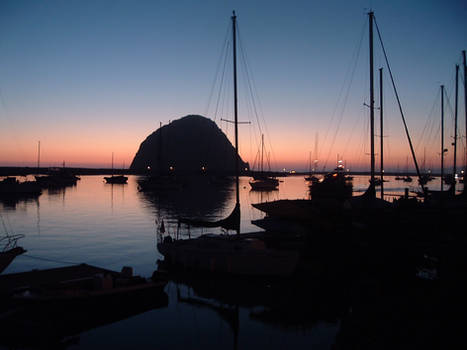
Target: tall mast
(465,109)
(315,166)
(262,152)
(234,38)
(381,127)
(38,155)
(454,164)
(442,136)
(309,165)
(372,102)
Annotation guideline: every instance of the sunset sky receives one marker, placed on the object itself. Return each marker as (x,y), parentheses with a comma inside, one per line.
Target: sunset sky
(88,78)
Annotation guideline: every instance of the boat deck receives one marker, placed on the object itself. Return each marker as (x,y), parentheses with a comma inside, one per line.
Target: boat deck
(35,278)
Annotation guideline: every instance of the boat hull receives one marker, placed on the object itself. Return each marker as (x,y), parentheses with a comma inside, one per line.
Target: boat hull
(228,255)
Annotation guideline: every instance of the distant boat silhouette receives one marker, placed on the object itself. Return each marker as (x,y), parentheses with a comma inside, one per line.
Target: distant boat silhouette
(115,179)
(11,187)
(240,254)
(262,181)
(58,177)
(310,177)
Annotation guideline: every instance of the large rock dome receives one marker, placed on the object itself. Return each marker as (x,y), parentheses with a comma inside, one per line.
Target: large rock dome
(185,146)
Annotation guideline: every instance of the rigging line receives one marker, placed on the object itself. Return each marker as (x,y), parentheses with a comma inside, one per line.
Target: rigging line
(349,139)
(400,107)
(344,105)
(255,97)
(249,95)
(428,121)
(350,71)
(223,50)
(4,226)
(51,260)
(248,82)
(248,78)
(221,83)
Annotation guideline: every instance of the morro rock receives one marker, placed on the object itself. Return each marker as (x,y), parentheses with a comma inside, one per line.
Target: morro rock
(189,145)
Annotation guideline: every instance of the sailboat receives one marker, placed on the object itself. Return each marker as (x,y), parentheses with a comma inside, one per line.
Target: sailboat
(333,192)
(115,179)
(407,177)
(239,254)
(450,192)
(310,177)
(262,181)
(398,176)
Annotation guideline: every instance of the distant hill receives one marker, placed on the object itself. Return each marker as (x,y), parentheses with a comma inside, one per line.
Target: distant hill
(187,144)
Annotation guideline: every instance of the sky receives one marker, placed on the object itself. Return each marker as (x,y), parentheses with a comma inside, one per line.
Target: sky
(92,78)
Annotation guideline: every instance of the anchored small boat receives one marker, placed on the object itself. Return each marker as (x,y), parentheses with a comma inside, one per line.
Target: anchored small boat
(115,179)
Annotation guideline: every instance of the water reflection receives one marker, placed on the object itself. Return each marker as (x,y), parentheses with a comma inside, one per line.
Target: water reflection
(198,198)
(334,302)
(294,305)
(13,202)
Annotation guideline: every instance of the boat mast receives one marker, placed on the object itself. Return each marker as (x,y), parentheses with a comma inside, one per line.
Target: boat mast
(465,108)
(381,127)
(38,155)
(442,137)
(372,103)
(234,38)
(262,152)
(454,165)
(309,166)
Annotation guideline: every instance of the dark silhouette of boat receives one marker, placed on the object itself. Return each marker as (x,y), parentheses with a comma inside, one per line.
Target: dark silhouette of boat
(407,179)
(425,178)
(262,181)
(333,185)
(85,284)
(239,254)
(58,177)
(11,187)
(115,179)
(46,307)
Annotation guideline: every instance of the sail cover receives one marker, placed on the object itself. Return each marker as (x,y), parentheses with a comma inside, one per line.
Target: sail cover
(231,222)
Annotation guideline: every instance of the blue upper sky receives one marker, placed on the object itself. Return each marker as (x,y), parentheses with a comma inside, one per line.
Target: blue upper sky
(91,77)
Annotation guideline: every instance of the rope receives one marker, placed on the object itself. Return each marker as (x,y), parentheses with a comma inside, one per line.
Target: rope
(254,102)
(51,260)
(400,105)
(221,56)
(343,98)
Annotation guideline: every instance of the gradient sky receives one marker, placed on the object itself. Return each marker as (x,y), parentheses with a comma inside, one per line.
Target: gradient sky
(88,78)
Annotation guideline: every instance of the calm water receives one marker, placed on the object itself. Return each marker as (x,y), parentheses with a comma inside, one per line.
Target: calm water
(114,225)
